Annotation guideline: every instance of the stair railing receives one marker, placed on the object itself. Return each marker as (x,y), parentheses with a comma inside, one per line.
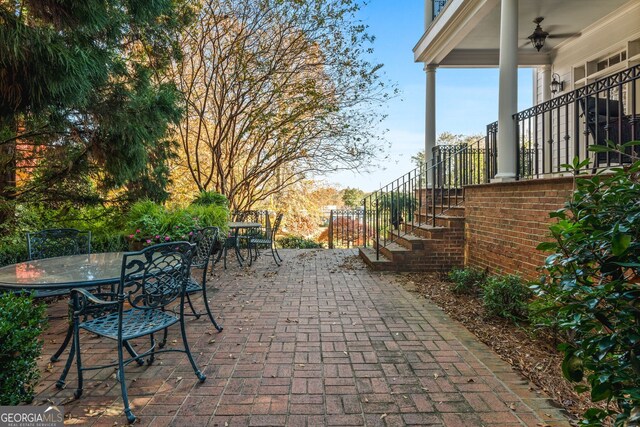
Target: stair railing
(420,196)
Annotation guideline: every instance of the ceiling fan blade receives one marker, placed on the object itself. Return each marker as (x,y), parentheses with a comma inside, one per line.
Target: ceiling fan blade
(564,35)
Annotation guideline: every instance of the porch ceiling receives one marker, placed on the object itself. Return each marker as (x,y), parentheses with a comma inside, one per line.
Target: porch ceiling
(459,39)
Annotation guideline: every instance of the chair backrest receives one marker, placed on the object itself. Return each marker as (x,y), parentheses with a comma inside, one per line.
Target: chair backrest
(58,242)
(155,276)
(205,240)
(276,226)
(261,217)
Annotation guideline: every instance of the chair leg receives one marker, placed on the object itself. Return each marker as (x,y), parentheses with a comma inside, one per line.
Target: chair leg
(60,384)
(64,345)
(206,305)
(276,249)
(123,385)
(273,253)
(152,357)
(133,353)
(199,374)
(164,338)
(76,345)
(193,309)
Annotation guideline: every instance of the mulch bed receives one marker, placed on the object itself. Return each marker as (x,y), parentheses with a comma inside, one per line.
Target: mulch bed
(534,355)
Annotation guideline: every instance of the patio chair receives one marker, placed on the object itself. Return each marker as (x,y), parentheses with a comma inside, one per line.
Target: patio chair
(605,121)
(205,240)
(234,240)
(266,239)
(58,242)
(151,280)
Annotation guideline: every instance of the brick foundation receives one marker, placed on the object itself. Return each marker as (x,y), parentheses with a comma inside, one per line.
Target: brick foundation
(506,221)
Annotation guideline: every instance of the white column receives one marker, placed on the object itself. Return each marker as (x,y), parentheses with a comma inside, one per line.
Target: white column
(430,117)
(545,138)
(428,13)
(508,90)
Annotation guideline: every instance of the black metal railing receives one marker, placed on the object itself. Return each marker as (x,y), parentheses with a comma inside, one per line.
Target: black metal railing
(438,5)
(410,201)
(552,133)
(346,228)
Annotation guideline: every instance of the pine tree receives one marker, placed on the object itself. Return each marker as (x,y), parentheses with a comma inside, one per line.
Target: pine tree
(83,110)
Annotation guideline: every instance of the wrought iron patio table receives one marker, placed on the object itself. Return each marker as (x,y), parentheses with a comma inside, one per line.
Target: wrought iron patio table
(59,273)
(236,226)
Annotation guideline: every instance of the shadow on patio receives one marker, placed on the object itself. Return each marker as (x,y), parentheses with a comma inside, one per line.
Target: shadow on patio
(320,340)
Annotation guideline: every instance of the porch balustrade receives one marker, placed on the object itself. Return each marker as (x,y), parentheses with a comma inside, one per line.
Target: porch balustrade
(552,133)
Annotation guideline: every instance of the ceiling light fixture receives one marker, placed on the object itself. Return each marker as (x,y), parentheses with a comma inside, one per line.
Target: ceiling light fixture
(539,35)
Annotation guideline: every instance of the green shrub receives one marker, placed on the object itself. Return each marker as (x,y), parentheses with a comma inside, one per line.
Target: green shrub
(150,223)
(207,198)
(297,242)
(507,297)
(594,275)
(467,281)
(21,322)
(13,252)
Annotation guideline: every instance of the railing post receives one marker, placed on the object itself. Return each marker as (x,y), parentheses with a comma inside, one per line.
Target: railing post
(364,222)
(331,230)
(433,188)
(377,230)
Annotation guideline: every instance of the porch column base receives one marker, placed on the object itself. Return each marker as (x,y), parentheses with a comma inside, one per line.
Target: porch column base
(504,177)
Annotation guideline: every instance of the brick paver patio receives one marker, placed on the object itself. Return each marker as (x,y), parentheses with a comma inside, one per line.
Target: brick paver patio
(319,341)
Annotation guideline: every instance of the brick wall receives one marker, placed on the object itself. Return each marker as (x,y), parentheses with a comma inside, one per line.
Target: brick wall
(506,221)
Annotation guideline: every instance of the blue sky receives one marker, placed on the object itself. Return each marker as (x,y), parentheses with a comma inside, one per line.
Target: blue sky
(466,100)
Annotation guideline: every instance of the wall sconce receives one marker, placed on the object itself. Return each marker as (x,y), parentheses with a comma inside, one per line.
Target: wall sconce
(557,85)
(538,36)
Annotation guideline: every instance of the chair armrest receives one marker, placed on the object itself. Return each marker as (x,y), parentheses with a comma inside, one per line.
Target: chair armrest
(84,301)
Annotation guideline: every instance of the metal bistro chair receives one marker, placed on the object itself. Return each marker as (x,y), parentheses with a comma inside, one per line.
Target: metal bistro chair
(267,240)
(234,239)
(205,240)
(58,242)
(150,281)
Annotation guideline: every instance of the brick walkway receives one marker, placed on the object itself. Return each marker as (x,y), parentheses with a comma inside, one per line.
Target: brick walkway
(318,341)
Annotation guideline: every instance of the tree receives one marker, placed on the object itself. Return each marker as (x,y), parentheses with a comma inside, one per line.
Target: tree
(447,139)
(82,111)
(352,197)
(275,90)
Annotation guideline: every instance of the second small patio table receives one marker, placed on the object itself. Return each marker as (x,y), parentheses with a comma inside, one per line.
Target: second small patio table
(237,226)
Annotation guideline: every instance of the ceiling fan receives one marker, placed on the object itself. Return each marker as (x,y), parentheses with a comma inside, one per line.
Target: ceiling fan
(538,37)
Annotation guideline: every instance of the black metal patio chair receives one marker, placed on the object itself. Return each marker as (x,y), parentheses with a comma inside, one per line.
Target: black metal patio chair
(205,240)
(235,240)
(151,280)
(58,242)
(266,239)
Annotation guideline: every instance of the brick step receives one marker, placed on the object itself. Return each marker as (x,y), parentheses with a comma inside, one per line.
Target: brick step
(409,241)
(427,231)
(380,263)
(431,260)
(449,211)
(446,221)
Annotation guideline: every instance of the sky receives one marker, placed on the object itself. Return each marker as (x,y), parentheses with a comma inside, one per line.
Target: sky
(466,99)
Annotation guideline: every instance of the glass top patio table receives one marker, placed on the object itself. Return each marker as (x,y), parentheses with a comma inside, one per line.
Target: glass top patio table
(66,272)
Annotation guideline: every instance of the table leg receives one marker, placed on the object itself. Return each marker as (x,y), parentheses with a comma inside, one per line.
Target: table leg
(64,344)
